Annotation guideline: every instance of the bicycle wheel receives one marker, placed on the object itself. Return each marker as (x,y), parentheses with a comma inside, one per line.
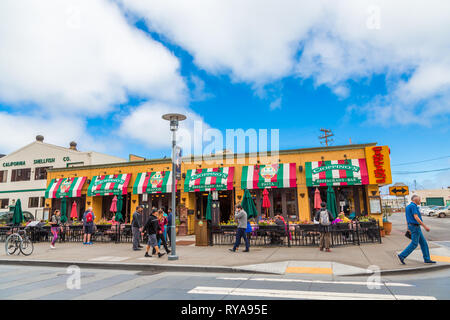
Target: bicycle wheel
(12,243)
(26,246)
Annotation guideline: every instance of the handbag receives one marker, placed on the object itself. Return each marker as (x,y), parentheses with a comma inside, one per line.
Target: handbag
(408,234)
(249,228)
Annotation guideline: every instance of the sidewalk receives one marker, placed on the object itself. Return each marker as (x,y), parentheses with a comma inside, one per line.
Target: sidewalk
(347,260)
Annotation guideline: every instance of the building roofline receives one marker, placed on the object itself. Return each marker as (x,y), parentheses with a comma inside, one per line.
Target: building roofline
(199,158)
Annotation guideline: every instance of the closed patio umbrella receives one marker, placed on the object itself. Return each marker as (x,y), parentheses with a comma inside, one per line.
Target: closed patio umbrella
(331,201)
(63,210)
(317,199)
(208,207)
(119,216)
(74,211)
(266,200)
(249,205)
(113,207)
(18,214)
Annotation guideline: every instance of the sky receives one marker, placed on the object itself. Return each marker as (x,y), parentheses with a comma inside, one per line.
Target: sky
(102,73)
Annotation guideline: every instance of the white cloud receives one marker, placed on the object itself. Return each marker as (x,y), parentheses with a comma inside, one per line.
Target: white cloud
(145,124)
(18,131)
(80,57)
(258,41)
(276,104)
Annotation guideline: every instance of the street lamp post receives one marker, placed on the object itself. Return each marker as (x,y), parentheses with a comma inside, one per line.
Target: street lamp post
(174,118)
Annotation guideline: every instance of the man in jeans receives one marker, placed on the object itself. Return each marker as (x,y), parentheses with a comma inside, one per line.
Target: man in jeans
(414,220)
(241,218)
(136,228)
(324,217)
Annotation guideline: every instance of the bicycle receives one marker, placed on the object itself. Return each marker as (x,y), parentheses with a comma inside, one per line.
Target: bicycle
(19,240)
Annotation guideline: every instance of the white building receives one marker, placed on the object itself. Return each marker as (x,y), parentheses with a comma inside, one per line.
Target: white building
(436,197)
(23,173)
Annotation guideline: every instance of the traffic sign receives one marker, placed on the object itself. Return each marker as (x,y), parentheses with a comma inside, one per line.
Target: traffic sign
(399,191)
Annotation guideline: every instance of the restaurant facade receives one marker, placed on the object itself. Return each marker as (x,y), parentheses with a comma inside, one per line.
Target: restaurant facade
(291,177)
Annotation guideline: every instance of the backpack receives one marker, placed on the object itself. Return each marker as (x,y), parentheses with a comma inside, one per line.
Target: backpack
(324,219)
(89,217)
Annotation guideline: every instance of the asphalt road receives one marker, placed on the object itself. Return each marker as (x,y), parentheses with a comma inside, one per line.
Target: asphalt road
(24,282)
(440,227)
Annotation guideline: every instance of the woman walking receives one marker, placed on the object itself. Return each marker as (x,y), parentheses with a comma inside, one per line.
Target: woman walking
(55,222)
(160,235)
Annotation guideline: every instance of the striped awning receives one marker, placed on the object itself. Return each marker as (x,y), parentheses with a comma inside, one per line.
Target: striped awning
(281,175)
(336,173)
(65,187)
(113,184)
(209,179)
(153,182)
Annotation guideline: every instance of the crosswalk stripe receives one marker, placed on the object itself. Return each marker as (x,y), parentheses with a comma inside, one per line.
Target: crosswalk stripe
(356,283)
(109,258)
(14,272)
(119,288)
(294,294)
(28,280)
(40,292)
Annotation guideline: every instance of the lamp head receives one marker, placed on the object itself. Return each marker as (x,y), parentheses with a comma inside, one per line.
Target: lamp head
(174,118)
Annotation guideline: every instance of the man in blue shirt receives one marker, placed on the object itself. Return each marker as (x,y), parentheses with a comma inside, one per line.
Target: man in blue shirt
(414,220)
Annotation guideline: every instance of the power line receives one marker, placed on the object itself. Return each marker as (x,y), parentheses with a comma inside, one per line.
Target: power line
(414,172)
(404,164)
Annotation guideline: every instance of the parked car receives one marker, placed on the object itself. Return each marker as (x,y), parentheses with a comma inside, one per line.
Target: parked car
(442,212)
(433,209)
(427,210)
(6,217)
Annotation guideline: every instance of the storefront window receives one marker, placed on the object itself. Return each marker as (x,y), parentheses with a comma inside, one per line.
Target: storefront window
(3,175)
(41,173)
(4,203)
(33,202)
(291,202)
(21,175)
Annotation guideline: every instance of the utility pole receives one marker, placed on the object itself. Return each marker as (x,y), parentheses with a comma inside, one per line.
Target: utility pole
(326,135)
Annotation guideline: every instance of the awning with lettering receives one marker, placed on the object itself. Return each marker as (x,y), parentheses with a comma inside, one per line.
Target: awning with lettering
(209,179)
(336,173)
(153,182)
(281,175)
(113,184)
(65,187)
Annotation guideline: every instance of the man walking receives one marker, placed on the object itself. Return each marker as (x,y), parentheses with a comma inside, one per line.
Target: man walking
(324,217)
(414,220)
(152,229)
(136,228)
(241,218)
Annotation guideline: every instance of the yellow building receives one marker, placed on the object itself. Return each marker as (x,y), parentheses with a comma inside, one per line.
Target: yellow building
(291,177)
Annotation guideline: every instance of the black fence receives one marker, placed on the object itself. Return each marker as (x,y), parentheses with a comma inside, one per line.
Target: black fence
(354,233)
(102,233)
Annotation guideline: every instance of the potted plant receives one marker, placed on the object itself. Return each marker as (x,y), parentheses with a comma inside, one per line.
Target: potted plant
(386,224)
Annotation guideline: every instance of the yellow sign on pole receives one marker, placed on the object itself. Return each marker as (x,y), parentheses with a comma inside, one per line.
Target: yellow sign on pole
(399,191)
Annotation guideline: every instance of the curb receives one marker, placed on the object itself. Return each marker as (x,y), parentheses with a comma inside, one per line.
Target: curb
(404,271)
(129,266)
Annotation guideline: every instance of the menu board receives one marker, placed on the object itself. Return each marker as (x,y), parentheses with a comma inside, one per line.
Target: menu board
(375,205)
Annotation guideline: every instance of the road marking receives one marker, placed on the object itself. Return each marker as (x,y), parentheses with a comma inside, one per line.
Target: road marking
(14,272)
(109,258)
(440,258)
(356,283)
(119,288)
(40,292)
(310,270)
(29,280)
(294,294)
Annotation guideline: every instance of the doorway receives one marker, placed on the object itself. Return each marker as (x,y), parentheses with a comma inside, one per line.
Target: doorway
(225,201)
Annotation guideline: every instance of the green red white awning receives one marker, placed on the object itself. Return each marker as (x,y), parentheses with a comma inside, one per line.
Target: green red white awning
(113,184)
(209,179)
(153,182)
(281,175)
(336,173)
(65,187)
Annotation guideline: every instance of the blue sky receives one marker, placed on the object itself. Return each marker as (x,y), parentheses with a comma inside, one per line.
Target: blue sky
(102,73)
